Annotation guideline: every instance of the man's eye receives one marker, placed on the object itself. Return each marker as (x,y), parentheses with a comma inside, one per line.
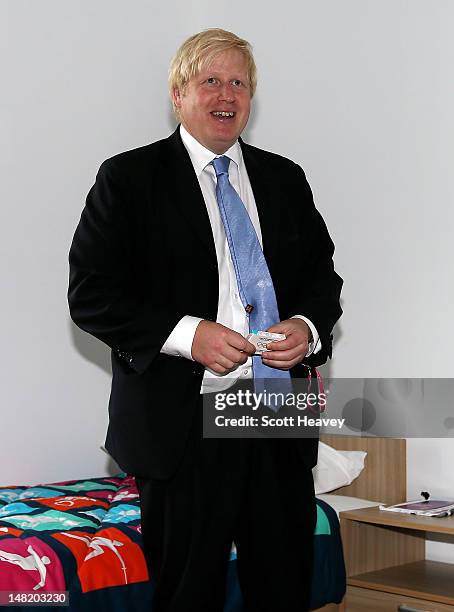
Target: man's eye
(211,80)
(237,82)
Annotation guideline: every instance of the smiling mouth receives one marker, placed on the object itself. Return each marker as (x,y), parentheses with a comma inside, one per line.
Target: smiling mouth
(223,114)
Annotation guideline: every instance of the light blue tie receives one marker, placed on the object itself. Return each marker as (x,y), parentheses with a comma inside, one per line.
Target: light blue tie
(254,280)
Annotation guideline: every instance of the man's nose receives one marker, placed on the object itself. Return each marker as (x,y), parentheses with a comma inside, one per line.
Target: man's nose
(227,93)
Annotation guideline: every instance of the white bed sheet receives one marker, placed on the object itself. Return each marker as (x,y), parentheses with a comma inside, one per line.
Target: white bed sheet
(343,502)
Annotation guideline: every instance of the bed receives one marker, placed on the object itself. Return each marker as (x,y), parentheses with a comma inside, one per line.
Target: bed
(83,537)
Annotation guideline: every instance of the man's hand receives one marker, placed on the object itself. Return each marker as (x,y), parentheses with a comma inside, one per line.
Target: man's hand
(219,348)
(284,354)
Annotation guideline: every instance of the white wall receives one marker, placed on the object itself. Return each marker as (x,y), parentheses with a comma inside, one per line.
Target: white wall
(360,92)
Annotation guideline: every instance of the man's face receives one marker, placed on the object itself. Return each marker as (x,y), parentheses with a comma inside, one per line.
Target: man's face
(221,87)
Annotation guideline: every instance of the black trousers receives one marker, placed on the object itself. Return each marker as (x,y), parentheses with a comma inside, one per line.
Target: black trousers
(255,492)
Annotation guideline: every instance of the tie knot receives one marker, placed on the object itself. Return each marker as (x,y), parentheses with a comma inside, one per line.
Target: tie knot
(221,165)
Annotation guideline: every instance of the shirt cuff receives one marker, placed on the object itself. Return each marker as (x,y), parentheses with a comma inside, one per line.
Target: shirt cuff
(316,345)
(179,343)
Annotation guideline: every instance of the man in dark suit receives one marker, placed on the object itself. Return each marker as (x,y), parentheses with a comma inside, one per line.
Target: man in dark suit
(151,275)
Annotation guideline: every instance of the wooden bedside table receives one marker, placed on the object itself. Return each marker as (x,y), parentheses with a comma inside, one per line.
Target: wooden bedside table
(386,566)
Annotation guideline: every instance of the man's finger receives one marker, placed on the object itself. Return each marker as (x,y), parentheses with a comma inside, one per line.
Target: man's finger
(226,363)
(281,365)
(283,345)
(234,355)
(299,351)
(239,342)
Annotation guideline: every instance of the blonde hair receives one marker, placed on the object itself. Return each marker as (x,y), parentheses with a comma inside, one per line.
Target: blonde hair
(199,50)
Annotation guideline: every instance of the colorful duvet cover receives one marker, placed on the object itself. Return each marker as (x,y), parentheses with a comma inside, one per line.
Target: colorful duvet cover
(83,537)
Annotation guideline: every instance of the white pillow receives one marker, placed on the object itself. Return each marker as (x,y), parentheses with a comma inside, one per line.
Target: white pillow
(336,468)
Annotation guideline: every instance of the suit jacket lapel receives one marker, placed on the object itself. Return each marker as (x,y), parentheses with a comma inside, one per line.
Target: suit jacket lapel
(266,199)
(185,188)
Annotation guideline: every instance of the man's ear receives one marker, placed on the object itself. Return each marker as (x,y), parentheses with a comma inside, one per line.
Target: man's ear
(176,97)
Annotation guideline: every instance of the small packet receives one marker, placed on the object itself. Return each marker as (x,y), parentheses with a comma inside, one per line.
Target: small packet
(261,339)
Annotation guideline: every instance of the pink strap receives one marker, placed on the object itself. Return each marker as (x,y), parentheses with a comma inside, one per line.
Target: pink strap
(321,386)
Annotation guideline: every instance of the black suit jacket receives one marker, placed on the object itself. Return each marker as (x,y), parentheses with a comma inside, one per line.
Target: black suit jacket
(143,256)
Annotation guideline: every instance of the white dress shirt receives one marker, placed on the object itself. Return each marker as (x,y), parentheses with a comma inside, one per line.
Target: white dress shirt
(231,312)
